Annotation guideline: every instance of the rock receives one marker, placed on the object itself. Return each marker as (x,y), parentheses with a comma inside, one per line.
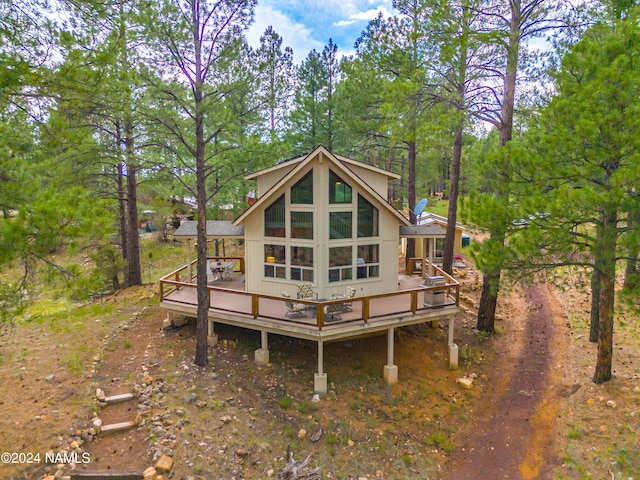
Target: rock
(226,419)
(611,404)
(270,473)
(97,424)
(315,398)
(150,474)
(147,379)
(164,464)
(201,404)
(49,477)
(591,401)
(50,378)
(190,397)
(316,436)
(351,443)
(242,453)
(100,396)
(465,382)
(302,433)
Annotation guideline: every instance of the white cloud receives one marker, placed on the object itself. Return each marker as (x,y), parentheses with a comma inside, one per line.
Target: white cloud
(306,25)
(294,34)
(363,16)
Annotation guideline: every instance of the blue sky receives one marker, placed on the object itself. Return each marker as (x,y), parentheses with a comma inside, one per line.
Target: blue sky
(308,24)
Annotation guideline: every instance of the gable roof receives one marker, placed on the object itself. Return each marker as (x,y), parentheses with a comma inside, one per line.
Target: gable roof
(340,164)
(429,218)
(296,160)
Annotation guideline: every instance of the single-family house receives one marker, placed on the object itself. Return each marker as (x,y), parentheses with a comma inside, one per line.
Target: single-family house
(321,261)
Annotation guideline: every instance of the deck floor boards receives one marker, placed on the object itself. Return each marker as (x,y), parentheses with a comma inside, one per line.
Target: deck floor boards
(232,304)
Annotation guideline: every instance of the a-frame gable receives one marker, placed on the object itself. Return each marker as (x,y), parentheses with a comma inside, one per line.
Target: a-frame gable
(339,166)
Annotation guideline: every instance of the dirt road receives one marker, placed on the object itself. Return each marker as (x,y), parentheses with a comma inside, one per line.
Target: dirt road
(511,437)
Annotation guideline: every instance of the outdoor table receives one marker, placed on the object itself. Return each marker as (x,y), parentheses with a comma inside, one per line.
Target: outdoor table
(220,269)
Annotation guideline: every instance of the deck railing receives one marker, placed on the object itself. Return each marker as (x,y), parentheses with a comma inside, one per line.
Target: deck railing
(363,309)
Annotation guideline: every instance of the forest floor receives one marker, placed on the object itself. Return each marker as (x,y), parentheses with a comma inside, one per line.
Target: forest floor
(532,411)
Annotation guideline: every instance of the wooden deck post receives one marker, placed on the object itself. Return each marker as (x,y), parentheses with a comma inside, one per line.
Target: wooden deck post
(262,354)
(320,378)
(189,260)
(212,337)
(390,372)
(453,348)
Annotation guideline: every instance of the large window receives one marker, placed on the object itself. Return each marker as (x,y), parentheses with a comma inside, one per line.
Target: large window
(274,219)
(340,225)
(302,225)
(368,261)
(340,264)
(302,191)
(302,264)
(274,261)
(339,191)
(367,218)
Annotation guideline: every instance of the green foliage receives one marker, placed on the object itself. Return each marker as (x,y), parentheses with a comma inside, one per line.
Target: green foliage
(440,440)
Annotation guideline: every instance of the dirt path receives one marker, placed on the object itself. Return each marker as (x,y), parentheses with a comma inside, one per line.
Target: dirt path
(511,438)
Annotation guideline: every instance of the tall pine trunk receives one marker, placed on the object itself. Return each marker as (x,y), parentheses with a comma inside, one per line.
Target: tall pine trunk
(133,240)
(607,251)
(454,176)
(596,288)
(411,196)
(452,213)
(202,322)
(122,204)
(491,278)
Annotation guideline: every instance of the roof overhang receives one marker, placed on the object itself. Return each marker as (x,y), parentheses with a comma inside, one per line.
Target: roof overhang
(215,229)
(422,231)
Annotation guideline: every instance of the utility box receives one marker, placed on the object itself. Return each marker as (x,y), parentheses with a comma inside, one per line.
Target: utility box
(434,297)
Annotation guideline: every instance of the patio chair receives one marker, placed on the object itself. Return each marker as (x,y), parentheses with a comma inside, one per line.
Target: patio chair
(333,312)
(349,292)
(294,309)
(305,292)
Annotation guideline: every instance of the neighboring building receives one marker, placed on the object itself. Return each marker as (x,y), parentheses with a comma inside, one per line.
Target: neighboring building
(325,220)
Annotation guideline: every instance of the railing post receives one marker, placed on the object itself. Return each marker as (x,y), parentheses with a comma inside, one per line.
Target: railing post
(161,290)
(320,316)
(365,310)
(457,295)
(414,301)
(255,302)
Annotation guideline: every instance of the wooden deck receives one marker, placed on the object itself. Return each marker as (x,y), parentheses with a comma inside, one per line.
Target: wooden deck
(231,304)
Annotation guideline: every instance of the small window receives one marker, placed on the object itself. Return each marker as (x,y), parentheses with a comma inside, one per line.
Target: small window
(340,264)
(302,225)
(302,191)
(340,225)
(367,218)
(339,191)
(274,219)
(368,263)
(302,264)
(274,261)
